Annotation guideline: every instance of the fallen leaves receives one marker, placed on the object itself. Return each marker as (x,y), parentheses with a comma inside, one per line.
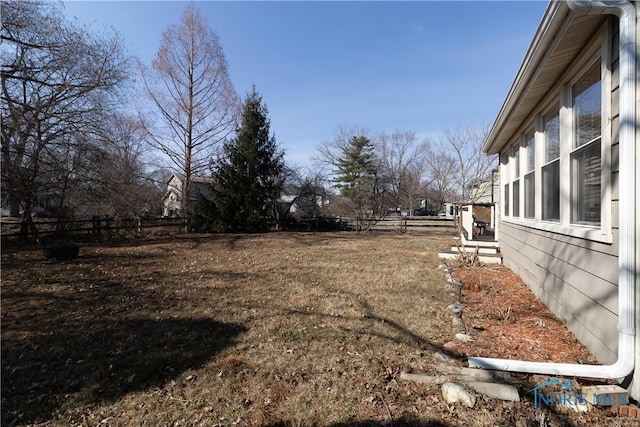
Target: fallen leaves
(288,328)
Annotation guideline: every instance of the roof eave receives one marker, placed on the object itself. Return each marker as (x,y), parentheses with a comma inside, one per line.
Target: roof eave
(549,30)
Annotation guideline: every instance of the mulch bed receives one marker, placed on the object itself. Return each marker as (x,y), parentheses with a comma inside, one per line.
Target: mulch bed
(508,321)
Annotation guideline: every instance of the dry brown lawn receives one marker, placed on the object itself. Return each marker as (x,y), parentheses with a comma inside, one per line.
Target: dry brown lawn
(269,329)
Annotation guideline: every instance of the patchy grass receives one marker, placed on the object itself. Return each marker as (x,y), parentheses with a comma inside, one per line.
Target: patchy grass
(269,329)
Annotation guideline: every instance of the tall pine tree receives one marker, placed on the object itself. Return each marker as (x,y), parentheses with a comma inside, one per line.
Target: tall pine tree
(356,168)
(248,176)
(355,175)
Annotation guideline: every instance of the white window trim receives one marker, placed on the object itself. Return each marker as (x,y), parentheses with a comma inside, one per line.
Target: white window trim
(598,50)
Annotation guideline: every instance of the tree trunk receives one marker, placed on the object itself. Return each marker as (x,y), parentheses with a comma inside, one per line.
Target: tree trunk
(26,223)
(14,206)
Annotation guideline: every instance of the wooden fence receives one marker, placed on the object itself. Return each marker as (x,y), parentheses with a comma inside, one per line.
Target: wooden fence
(95,228)
(106,227)
(416,224)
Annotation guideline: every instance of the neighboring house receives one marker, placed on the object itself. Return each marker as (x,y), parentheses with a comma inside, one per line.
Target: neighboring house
(567,135)
(448,211)
(487,191)
(173,196)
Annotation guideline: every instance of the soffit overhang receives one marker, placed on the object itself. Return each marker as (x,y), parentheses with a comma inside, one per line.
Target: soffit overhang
(561,36)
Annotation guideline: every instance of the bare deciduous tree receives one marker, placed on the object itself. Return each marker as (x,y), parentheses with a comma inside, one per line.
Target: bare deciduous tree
(441,168)
(191,95)
(304,193)
(402,164)
(456,163)
(126,186)
(57,82)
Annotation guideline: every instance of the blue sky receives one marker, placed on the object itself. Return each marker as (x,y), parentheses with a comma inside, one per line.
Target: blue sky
(420,66)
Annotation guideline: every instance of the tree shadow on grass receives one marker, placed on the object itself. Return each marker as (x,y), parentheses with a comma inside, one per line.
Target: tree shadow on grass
(102,360)
(75,334)
(396,332)
(393,331)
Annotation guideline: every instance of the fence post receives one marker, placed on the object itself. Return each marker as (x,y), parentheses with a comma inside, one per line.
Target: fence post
(107,227)
(95,227)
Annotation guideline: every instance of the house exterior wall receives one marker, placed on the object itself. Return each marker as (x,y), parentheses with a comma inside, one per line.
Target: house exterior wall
(576,279)
(575,276)
(173,196)
(486,191)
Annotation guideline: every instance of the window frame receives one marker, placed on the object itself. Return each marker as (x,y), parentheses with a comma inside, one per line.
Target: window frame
(515,182)
(529,176)
(598,51)
(548,164)
(577,149)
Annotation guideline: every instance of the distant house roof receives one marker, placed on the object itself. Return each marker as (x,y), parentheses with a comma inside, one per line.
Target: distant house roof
(561,36)
(198,179)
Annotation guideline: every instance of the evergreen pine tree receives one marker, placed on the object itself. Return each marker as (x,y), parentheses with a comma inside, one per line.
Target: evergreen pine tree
(356,168)
(355,175)
(248,176)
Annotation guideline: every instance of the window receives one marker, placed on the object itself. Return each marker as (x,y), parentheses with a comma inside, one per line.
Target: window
(506,200)
(551,169)
(585,167)
(530,177)
(552,135)
(586,156)
(557,167)
(516,198)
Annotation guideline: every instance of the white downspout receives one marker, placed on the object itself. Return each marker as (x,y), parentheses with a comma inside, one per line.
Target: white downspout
(627,232)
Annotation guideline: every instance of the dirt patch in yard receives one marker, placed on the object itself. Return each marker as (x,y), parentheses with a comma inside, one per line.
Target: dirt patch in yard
(270,329)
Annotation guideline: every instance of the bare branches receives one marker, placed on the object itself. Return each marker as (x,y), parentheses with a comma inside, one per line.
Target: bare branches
(329,152)
(57,82)
(456,162)
(193,101)
(304,190)
(402,166)
(408,173)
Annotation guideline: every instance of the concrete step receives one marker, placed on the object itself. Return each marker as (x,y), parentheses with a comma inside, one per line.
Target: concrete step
(481,240)
(481,249)
(485,243)
(483,258)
